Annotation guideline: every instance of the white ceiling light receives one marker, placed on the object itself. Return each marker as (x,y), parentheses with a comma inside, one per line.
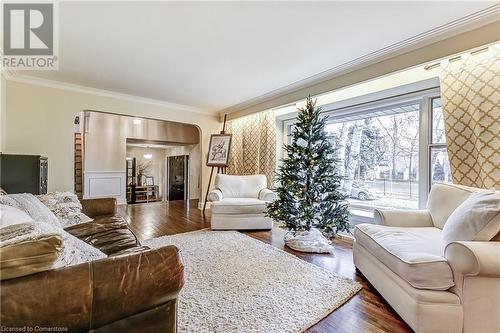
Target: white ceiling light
(148,154)
(137,121)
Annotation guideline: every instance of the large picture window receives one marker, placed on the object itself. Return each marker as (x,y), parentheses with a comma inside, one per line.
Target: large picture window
(390,150)
(378,158)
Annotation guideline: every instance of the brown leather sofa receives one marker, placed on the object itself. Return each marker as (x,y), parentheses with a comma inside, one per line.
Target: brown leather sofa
(133,290)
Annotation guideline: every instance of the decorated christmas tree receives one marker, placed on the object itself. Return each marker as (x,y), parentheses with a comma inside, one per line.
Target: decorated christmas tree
(309,190)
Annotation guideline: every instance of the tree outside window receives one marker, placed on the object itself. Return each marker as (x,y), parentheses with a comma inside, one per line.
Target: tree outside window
(378,158)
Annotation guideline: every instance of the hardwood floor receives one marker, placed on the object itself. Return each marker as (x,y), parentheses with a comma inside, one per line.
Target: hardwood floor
(365,312)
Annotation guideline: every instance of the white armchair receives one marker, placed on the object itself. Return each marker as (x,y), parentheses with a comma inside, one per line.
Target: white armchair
(434,286)
(239,202)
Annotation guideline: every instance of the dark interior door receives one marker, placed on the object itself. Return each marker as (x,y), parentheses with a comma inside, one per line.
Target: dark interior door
(177,177)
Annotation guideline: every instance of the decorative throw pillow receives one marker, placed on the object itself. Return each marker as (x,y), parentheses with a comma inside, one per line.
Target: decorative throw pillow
(22,241)
(27,248)
(10,215)
(477,218)
(29,204)
(76,251)
(66,207)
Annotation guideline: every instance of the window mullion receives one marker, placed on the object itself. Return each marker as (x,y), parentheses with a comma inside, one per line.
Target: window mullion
(424,151)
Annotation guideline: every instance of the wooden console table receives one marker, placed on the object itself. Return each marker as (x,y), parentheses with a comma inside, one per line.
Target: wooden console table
(148,193)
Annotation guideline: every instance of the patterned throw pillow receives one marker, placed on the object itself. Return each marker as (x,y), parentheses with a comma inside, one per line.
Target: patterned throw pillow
(66,207)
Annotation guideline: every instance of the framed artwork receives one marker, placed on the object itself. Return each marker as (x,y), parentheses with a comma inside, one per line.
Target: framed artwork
(218,150)
(150,180)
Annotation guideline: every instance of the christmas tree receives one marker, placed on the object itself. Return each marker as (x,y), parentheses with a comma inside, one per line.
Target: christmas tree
(309,190)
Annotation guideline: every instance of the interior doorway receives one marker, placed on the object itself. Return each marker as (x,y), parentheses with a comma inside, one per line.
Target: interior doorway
(122,153)
(161,171)
(177,177)
(145,167)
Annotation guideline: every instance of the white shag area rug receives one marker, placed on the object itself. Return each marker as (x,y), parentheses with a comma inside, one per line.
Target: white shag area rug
(234,283)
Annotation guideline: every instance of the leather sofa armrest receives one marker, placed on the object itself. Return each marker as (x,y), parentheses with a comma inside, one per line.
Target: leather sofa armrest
(215,195)
(90,295)
(129,284)
(402,218)
(474,258)
(267,195)
(98,207)
(54,298)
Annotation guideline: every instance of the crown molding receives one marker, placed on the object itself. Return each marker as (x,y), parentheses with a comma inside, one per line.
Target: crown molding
(464,24)
(101,92)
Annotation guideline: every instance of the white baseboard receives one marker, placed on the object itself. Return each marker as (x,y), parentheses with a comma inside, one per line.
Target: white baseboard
(121,201)
(200,205)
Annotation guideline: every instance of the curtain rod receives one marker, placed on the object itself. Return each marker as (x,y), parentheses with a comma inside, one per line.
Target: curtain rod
(456,58)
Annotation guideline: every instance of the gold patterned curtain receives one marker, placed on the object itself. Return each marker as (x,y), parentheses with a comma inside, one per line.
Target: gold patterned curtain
(253,146)
(470,91)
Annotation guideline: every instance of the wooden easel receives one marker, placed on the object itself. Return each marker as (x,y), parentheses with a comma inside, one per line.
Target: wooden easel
(220,169)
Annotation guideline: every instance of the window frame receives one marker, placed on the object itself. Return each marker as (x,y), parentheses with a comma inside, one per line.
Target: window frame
(421,93)
(431,145)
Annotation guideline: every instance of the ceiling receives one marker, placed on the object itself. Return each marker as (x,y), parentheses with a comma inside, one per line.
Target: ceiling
(213,55)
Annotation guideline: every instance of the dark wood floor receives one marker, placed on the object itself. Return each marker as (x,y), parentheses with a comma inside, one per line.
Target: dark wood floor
(365,312)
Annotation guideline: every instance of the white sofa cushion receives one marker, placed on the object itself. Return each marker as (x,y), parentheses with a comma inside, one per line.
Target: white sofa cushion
(240,186)
(238,206)
(414,254)
(476,219)
(444,199)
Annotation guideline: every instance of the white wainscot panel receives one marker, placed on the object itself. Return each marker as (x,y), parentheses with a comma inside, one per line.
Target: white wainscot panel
(105,184)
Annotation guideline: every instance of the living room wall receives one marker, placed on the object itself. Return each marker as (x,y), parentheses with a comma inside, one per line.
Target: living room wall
(38,119)
(2,110)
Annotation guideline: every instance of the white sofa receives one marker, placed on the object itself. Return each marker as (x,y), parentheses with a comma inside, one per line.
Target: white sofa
(239,202)
(433,288)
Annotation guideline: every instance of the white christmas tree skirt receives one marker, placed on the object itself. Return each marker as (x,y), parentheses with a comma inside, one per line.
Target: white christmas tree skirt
(308,241)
